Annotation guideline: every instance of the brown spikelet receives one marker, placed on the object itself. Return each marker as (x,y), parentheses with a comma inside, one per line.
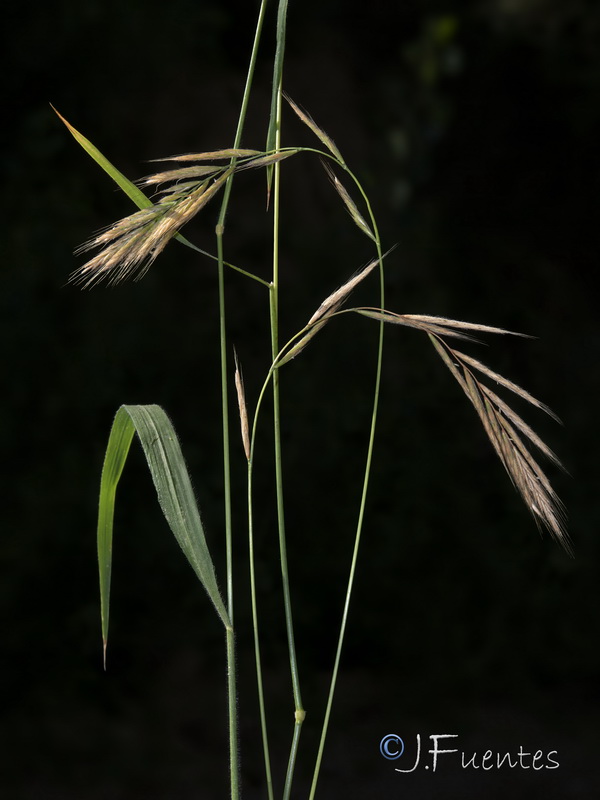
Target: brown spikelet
(267,160)
(351,207)
(319,132)
(441,325)
(335,299)
(500,426)
(197,171)
(327,308)
(465,326)
(508,433)
(241,396)
(472,362)
(214,155)
(130,246)
(300,344)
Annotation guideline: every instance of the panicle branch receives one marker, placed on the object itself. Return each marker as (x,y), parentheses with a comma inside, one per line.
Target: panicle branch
(130,246)
(508,433)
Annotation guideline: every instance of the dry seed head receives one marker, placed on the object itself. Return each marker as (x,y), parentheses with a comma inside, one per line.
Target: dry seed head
(214,155)
(241,397)
(520,423)
(351,207)
(319,132)
(267,160)
(506,430)
(506,383)
(335,300)
(525,473)
(312,330)
(131,245)
(466,326)
(178,174)
(415,321)
(327,308)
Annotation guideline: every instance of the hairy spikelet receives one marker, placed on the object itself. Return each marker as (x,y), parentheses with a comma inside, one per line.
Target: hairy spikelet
(335,299)
(213,155)
(510,435)
(319,132)
(181,173)
(351,206)
(130,246)
(325,311)
(267,160)
(241,397)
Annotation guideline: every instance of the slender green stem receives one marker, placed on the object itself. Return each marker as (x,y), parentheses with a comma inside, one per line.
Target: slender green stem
(274,140)
(299,711)
(226,263)
(220,231)
(289,776)
(234,767)
(273,375)
(361,512)
(225,423)
(257,656)
(299,714)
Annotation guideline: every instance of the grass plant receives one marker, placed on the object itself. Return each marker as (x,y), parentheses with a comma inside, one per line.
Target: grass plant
(128,248)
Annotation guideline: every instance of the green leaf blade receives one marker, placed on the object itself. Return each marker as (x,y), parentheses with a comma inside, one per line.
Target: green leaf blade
(175,496)
(128,187)
(116,454)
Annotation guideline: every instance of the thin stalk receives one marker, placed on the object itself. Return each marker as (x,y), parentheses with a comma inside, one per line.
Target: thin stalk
(234,767)
(361,513)
(220,231)
(274,320)
(225,423)
(299,711)
(227,263)
(300,714)
(257,656)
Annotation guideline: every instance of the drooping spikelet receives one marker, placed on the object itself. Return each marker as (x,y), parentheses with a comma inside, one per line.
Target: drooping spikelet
(509,434)
(130,246)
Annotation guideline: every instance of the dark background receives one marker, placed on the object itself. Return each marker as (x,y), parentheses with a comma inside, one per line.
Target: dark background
(474,128)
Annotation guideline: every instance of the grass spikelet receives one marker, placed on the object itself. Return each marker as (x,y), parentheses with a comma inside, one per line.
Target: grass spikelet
(506,430)
(311,332)
(241,397)
(179,174)
(327,308)
(359,220)
(444,322)
(410,321)
(500,423)
(472,362)
(319,132)
(130,246)
(268,160)
(520,423)
(214,155)
(335,299)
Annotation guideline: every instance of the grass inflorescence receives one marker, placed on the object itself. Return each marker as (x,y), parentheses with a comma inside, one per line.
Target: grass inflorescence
(129,247)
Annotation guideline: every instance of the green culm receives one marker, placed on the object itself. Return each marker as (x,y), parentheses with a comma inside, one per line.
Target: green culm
(129,247)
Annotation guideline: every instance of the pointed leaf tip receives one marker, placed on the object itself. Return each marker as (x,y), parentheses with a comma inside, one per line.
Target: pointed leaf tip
(175,496)
(128,187)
